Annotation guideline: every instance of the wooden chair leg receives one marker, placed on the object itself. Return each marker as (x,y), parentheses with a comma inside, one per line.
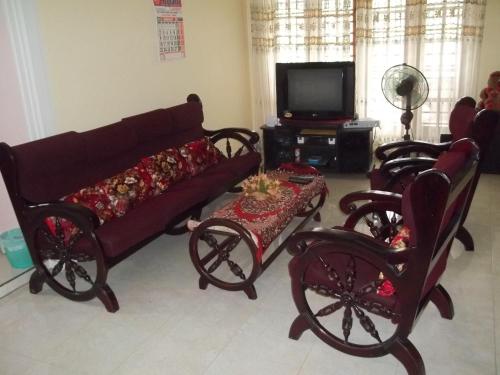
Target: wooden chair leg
(465,237)
(36,281)
(299,325)
(250,292)
(442,300)
(108,298)
(202,283)
(406,353)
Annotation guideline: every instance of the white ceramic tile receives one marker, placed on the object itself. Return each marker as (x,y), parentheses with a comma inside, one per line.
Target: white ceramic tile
(14,364)
(43,368)
(44,323)
(98,348)
(325,360)
(265,354)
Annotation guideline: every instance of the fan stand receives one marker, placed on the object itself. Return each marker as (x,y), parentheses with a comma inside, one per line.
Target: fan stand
(406,118)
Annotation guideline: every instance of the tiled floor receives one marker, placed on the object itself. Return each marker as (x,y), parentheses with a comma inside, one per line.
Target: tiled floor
(166,325)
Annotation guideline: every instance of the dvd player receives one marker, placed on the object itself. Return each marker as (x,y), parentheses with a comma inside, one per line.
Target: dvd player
(362,123)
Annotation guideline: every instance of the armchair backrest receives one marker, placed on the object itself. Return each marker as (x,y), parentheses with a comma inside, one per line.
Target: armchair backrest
(462,118)
(433,207)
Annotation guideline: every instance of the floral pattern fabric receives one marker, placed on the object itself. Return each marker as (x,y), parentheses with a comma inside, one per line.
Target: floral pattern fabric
(400,241)
(114,196)
(266,219)
(200,154)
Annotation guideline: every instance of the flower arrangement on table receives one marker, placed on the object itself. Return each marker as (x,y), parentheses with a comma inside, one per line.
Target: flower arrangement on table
(261,187)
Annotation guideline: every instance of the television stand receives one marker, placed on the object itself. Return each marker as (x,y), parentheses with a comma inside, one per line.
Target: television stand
(329,148)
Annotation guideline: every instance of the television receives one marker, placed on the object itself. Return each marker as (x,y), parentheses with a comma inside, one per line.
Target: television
(315,91)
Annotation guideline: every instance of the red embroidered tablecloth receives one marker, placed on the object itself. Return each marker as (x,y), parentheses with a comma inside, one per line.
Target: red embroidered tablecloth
(266,219)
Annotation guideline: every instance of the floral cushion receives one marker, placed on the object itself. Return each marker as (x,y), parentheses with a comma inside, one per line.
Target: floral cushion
(165,168)
(114,196)
(200,154)
(400,241)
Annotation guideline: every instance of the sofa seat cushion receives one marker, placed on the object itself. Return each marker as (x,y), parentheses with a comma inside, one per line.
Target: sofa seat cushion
(148,218)
(218,178)
(240,167)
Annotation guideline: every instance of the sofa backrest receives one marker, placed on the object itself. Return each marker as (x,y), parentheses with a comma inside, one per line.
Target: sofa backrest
(52,167)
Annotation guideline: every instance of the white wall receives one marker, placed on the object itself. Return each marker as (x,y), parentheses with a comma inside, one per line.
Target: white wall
(103,64)
(490,51)
(13,128)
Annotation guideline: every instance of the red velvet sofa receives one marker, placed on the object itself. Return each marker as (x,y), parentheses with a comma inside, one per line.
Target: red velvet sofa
(74,253)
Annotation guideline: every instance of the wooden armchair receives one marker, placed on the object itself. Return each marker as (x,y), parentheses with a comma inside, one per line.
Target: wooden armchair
(396,172)
(460,126)
(340,276)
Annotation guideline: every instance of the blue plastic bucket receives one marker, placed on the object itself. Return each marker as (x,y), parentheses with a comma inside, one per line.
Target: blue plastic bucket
(15,248)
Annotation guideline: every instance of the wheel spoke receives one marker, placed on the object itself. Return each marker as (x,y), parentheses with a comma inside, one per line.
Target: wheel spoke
(347,322)
(59,230)
(369,288)
(238,153)
(367,323)
(350,274)
(74,239)
(322,290)
(231,245)
(81,273)
(332,273)
(330,309)
(215,264)
(228,148)
(377,308)
(70,275)
(57,268)
(235,269)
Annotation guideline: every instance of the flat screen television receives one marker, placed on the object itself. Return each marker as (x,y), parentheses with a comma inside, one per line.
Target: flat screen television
(315,91)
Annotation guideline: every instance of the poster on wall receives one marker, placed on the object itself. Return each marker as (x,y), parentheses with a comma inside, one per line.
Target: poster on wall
(170,29)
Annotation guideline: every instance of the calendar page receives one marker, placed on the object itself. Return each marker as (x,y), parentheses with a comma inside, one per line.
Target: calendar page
(170,29)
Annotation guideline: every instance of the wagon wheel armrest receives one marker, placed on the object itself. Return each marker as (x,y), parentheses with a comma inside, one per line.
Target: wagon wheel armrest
(347,204)
(251,136)
(224,139)
(351,242)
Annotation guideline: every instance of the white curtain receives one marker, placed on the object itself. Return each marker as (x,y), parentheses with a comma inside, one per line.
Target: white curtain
(440,38)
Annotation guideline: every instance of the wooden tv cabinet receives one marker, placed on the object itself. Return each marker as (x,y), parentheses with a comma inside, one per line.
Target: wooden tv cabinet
(329,148)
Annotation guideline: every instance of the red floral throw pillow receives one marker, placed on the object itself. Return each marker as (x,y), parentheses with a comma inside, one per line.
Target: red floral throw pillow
(114,196)
(401,240)
(165,168)
(200,154)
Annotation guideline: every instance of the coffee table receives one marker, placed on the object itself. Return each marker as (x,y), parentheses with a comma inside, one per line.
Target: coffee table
(228,249)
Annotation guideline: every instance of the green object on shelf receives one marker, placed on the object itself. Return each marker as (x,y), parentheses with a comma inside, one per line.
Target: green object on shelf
(15,248)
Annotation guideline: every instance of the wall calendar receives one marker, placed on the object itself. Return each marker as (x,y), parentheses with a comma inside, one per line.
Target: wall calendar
(170,25)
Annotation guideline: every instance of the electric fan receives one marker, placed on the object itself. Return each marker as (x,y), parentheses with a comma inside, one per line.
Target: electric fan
(405,87)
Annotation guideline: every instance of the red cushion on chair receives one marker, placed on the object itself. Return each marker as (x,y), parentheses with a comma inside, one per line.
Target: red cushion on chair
(400,241)
(461,121)
(450,162)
